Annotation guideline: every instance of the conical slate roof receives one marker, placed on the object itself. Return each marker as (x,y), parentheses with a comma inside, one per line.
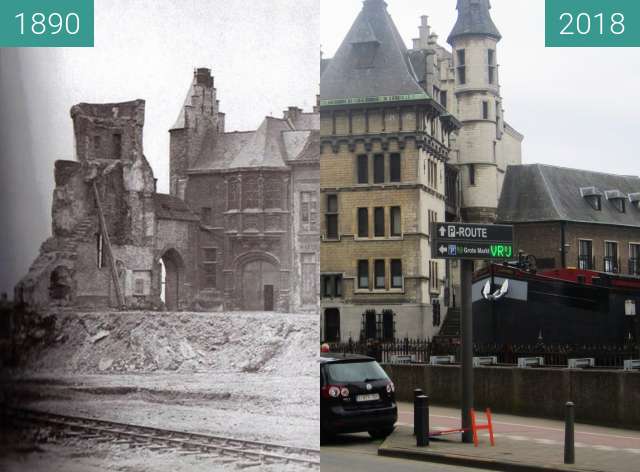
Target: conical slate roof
(474,18)
(372,60)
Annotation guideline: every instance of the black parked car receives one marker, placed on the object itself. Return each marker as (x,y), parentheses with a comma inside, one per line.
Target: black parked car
(356,395)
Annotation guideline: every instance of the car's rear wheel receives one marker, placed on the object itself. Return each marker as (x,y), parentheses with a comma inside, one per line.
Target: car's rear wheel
(381,433)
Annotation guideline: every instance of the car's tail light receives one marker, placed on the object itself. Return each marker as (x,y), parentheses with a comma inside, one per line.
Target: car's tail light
(334,391)
(390,387)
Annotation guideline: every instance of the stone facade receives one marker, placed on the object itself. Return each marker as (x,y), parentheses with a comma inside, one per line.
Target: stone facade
(239,230)
(106,222)
(256,193)
(444,120)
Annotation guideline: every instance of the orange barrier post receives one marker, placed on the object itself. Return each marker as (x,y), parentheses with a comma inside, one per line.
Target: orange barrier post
(475,427)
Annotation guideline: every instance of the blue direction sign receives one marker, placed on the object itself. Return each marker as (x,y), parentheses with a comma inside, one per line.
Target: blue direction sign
(471,241)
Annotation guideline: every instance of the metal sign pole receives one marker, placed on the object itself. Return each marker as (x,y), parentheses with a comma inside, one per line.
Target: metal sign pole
(466,328)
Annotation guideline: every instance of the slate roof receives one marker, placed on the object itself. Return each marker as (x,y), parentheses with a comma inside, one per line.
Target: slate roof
(474,18)
(168,207)
(270,146)
(390,73)
(537,192)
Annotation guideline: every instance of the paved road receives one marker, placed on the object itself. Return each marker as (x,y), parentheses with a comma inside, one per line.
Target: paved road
(541,431)
(359,453)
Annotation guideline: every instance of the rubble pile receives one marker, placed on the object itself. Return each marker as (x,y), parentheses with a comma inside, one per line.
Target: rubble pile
(96,342)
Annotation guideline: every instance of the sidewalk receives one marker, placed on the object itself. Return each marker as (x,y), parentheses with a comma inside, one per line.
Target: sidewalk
(508,455)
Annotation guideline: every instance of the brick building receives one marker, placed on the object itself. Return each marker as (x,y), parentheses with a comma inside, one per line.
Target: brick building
(574,218)
(408,137)
(239,230)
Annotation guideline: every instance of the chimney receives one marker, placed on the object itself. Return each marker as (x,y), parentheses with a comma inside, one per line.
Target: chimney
(203,77)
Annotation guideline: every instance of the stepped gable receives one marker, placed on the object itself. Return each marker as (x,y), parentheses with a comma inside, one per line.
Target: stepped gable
(372,61)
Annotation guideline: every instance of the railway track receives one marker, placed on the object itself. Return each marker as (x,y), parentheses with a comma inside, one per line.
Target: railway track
(157,438)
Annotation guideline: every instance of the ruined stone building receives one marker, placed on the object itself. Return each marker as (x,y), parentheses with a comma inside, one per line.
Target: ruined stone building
(408,137)
(239,230)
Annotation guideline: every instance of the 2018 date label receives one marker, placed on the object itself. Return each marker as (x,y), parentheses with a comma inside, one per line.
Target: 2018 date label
(592,23)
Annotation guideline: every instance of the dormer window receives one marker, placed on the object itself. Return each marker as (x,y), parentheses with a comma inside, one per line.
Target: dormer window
(634,199)
(617,199)
(364,54)
(592,196)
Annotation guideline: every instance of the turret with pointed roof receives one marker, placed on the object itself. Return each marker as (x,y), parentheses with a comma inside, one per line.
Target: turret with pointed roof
(372,60)
(474,18)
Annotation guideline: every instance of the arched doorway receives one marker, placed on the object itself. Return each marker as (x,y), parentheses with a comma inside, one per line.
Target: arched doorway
(172,267)
(332,325)
(259,286)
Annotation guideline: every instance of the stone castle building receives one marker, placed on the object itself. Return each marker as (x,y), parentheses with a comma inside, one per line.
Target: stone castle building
(408,137)
(238,231)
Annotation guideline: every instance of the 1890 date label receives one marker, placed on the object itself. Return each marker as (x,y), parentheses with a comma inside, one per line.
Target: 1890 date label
(46,23)
(592,23)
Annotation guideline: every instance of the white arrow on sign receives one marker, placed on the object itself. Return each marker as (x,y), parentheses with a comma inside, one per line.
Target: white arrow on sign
(443,249)
(442,231)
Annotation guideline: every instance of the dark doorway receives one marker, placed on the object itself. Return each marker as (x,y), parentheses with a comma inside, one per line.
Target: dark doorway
(172,275)
(259,286)
(332,325)
(268,297)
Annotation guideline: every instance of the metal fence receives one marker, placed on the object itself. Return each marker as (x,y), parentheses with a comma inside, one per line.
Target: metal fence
(419,351)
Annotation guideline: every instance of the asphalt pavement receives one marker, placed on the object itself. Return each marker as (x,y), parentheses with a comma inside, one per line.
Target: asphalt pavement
(359,453)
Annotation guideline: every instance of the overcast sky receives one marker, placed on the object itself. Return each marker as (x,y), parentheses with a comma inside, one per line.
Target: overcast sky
(264,56)
(577,107)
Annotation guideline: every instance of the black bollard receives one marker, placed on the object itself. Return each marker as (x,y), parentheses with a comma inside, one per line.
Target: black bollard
(422,424)
(569,447)
(416,393)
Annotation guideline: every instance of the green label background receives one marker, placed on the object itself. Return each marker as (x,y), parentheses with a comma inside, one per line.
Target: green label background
(10,25)
(553,26)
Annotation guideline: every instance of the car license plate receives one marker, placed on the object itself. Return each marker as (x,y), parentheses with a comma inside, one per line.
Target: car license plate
(368,398)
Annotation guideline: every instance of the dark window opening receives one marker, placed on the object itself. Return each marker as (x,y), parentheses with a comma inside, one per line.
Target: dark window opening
(209,276)
(443,98)
(379,274)
(378,216)
(491,61)
(611,257)
(206,216)
(472,174)
(117,146)
(585,255)
(396,221)
(363,274)
(395,168)
(363,223)
(485,110)
(363,169)
(332,216)
(378,169)
(396,273)
(462,71)
(388,326)
(332,286)
(331,325)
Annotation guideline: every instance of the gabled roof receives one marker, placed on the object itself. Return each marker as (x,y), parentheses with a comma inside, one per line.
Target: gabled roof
(537,192)
(474,18)
(274,143)
(168,207)
(389,73)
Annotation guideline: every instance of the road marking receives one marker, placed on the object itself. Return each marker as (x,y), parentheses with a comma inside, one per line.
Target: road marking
(547,441)
(632,451)
(546,428)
